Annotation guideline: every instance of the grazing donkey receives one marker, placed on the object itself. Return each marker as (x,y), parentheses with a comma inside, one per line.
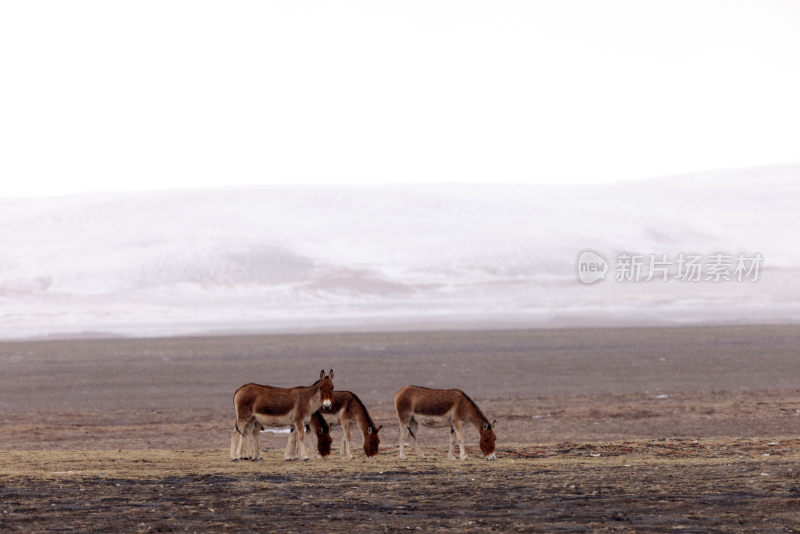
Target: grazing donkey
(436,408)
(346,409)
(272,406)
(316,425)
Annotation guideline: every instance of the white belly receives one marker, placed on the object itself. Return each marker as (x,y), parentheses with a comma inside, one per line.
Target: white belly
(434,422)
(274,420)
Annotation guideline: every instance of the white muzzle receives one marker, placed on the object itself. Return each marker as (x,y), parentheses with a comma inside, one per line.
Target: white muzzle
(492,456)
(326,404)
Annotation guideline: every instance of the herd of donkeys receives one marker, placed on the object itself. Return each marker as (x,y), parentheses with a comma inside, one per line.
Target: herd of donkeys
(312,410)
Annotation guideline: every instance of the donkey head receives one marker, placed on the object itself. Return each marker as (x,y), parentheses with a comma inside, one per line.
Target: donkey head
(326,388)
(323,434)
(487,440)
(371,441)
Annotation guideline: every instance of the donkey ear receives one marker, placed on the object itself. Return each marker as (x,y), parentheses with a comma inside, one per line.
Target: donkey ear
(486,426)
(369,430)
(494,422)
(322,374)
(331,375)
(376,430)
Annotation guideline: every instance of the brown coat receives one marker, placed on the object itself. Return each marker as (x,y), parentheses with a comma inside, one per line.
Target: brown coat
(434,408)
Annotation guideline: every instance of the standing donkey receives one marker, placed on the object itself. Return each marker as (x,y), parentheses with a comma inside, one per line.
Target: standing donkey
(346,409)
(258,406)
(437,408)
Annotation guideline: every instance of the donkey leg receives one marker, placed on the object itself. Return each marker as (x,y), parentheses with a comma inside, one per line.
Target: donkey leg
(404,431)
(256,452)
(247,448)
(291,446)
(460,436)
(452,443)
(247,438)
(245,430)
(250,437)
(348,450)
(310,443)
(413,425)
(300,431)
(247,444)
(238,440)
(251,442)
(234,435)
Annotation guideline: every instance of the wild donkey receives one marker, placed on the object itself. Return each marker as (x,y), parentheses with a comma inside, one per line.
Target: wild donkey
(436,408)
(346,409)
(316,425)
(272,406)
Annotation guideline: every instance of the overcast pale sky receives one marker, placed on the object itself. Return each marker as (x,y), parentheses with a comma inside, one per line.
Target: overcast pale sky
(142,95)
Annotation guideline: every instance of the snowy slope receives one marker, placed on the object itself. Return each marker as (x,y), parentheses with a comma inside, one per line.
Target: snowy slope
(183,262)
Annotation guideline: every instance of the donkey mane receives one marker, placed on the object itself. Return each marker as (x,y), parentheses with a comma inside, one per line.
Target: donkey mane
(472,402)
(311,386)
(364,408)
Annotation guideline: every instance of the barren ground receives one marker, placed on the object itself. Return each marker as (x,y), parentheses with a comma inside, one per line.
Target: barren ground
(683,430)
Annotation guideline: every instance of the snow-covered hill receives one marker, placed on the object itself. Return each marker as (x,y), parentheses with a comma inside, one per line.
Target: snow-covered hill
(183,262)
